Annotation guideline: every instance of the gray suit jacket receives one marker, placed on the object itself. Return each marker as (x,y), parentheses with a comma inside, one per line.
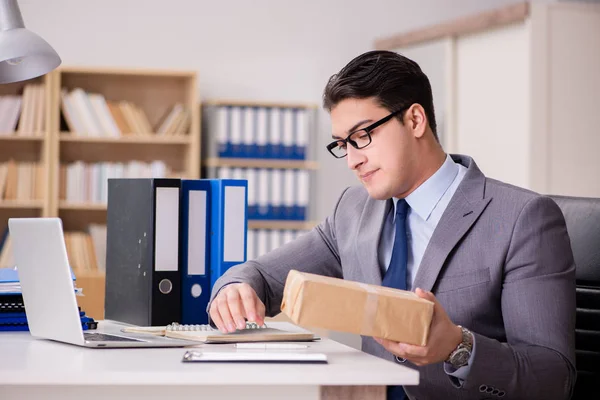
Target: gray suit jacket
(500,263)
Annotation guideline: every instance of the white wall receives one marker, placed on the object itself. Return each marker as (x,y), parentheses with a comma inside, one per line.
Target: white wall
(272,50)
(492,132)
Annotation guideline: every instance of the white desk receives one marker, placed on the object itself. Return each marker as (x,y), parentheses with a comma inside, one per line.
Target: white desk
(39,369)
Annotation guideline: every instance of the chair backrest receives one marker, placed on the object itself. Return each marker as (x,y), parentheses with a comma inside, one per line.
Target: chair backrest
(582,216)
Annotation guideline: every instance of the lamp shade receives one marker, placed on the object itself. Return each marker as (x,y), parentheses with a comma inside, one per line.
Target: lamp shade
(23,54)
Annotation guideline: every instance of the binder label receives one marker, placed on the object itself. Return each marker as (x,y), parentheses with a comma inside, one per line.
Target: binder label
(234,224)
(166,246)
(197,233)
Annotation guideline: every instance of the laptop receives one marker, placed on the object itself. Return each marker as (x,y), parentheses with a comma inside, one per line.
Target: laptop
(48,291)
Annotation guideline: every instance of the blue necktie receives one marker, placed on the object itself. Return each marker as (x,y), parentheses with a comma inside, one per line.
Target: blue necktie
(395,276)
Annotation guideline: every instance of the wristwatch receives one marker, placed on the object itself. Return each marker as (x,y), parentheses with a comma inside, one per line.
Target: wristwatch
(460,356)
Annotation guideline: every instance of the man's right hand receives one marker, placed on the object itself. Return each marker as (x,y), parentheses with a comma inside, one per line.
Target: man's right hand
(236,303)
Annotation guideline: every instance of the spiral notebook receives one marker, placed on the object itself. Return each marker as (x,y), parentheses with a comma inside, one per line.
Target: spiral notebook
(207,334)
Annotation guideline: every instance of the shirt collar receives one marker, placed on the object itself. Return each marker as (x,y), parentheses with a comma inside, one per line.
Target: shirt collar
(424,198)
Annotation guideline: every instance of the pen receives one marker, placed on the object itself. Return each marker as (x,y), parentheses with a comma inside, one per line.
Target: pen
(270,346)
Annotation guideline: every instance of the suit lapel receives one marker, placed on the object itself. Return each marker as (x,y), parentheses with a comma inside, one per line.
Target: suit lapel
(466,206)
(453,225)
(367,239)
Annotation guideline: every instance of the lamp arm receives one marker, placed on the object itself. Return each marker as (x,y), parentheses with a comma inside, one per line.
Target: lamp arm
(10,15)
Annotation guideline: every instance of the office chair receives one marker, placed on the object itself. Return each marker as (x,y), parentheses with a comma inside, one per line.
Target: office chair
(582,216)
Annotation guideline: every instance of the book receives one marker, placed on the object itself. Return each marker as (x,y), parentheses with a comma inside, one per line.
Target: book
(207,334)
(17,320)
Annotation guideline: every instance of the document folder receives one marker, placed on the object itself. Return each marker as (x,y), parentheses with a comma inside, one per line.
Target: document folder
(229,225)
(195,254)
(143,282)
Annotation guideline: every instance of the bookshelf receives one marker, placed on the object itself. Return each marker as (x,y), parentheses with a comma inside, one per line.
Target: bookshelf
(112,122)
(25,150)
(267,143)
(154,93)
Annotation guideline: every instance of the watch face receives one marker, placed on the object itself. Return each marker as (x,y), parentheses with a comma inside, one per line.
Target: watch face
(461,357)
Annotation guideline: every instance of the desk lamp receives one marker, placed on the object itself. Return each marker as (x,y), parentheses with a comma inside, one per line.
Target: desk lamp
(23,54)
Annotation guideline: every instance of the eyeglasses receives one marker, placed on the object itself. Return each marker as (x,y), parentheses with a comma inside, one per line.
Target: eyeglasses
(359,139)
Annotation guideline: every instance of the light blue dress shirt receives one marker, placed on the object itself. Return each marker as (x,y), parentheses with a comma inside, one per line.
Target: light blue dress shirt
(427,204)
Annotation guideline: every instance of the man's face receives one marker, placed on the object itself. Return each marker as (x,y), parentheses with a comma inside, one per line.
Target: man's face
(385,166)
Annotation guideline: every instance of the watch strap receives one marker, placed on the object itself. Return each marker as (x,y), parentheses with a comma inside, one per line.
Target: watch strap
(466,344)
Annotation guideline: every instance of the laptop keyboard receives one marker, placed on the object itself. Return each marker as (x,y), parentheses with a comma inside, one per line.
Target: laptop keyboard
(104,337)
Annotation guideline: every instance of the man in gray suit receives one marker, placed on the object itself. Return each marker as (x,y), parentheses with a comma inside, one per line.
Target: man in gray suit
(495,259)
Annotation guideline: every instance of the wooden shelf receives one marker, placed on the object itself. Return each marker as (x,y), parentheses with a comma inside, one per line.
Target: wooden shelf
(132,72)
(94,208)
(14,138)
(19,209)
(88,274)
(78,216)
(67,137)
(266,104)
(65,206)
(22,148)
(21,204)
(281,224)
(252,224)
(170,149)
(260,163)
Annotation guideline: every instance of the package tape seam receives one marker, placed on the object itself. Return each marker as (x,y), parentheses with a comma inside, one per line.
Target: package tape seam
(370,307)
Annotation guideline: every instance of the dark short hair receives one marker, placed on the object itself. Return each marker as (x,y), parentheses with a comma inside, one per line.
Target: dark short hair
(392,79)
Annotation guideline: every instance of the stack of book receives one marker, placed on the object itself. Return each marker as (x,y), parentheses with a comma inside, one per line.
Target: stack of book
(12,309)
(91,114)
(23,115)
(22,180)
(87,250)
(82,182)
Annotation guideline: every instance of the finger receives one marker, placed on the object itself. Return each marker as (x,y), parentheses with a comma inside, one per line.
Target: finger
(225,313)
(404,350)
(216,317)
(438,310)
(391,346)
(249,300)
(425,295)
(236,309)
(260,312)
(413,351)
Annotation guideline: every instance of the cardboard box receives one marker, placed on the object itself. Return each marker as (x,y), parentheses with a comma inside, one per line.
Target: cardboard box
(322,302)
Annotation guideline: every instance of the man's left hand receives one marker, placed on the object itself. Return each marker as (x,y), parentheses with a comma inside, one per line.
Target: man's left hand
(444,337)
